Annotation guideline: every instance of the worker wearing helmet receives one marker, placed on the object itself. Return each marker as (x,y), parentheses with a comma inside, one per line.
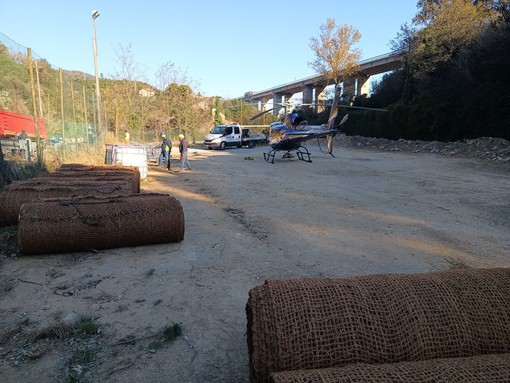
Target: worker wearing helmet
(183,149)
(166,147)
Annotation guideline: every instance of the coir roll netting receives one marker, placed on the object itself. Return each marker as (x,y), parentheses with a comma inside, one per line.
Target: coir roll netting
(477,369)
(84,167)
(315,323)
(64,168)
(20,192)
(126,182)
(104,175)
(84,223)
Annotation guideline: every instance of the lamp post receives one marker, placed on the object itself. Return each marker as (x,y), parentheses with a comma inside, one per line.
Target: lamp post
(95,15)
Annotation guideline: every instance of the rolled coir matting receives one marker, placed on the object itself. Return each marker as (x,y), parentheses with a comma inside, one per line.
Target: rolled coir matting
(104,175)
(85,167)
(126,182)
(476,369)
(297,324)
(18,193)
(58,178)
(64,168)
(84,223)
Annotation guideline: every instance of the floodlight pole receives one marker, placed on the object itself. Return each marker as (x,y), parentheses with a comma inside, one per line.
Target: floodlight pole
(95,15)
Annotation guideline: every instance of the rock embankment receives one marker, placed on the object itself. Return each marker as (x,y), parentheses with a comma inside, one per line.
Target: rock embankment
(486,148)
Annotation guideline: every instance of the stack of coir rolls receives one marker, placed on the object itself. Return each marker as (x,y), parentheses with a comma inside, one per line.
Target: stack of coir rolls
(446,326)
(20,192)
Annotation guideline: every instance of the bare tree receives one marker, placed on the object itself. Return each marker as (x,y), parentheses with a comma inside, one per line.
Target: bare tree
(127,68)
(123,104)
(179,110)
(168,73)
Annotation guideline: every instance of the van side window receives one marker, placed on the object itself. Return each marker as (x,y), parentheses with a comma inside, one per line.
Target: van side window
(228,130)
(236,129)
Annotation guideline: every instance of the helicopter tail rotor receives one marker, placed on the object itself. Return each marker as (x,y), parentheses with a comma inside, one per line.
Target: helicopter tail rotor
(329,138)
(326,144)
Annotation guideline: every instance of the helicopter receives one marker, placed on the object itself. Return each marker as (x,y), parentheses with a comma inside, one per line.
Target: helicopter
(292,131)
(289,135)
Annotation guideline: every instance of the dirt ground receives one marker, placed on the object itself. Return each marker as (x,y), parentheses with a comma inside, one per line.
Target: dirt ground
(362,212)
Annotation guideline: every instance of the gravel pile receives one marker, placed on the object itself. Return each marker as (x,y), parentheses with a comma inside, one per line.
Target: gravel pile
(486,148)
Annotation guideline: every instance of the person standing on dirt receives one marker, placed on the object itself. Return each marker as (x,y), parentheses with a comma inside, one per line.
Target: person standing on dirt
(166,147)
(183,149)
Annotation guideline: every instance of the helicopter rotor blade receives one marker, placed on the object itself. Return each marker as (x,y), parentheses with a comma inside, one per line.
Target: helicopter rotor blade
(361,107)
(242,105)
(261,114)
(344,119)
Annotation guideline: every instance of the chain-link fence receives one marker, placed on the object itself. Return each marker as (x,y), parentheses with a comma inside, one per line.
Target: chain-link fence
(67,101)
(30,85)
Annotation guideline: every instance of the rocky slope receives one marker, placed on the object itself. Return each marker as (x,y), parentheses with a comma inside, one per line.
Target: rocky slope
(486,148)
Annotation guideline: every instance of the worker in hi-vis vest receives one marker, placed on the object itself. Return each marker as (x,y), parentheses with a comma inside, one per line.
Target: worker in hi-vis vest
(166,147)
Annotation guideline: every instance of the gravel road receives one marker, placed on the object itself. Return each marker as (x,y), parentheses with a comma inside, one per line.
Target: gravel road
(361,212)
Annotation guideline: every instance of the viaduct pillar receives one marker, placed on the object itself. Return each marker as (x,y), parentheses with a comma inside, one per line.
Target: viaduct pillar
(349,88)
(278,101)
(308,94)
(262,102)
(363,85)
(308,98)
(311,96)
(356,86)
(319,97)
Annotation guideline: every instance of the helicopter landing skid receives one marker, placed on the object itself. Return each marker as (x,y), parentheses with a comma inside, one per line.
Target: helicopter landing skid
(269,157)
(303,155)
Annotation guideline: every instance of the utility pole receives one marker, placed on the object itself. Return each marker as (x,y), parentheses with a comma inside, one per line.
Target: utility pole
(95,15)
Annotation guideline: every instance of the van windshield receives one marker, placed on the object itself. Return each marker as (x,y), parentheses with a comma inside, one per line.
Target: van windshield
(218,129)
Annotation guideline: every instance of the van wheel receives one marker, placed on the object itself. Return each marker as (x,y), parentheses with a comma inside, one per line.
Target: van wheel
(251,144)
(222,145)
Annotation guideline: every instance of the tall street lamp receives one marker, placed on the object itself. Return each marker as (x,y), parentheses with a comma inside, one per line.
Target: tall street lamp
(95,15)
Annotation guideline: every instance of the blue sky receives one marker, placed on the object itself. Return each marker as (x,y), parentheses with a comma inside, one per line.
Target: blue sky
(226,47)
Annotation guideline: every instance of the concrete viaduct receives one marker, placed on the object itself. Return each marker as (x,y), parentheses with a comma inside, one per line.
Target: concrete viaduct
(314,85)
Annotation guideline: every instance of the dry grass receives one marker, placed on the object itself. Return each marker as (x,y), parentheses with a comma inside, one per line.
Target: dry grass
(24,343)
(8,242)
(53,158)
